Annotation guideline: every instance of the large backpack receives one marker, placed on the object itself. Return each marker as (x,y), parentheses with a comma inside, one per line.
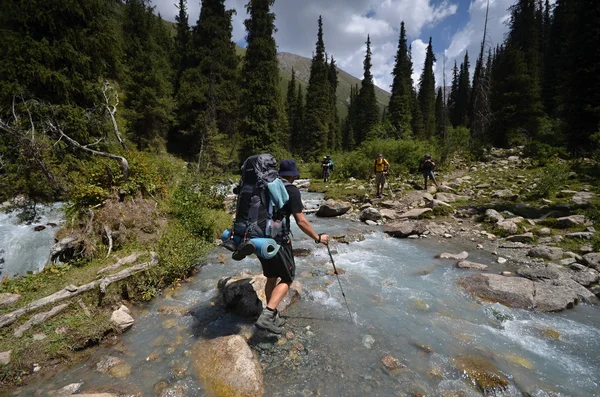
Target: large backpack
(255,210)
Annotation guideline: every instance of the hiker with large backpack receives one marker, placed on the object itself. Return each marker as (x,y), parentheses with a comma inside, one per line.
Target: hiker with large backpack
(327,166)
(381,167)
(427,166)
(266,201)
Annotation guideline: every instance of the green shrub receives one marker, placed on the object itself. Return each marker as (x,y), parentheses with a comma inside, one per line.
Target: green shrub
(457,141)
(551,179)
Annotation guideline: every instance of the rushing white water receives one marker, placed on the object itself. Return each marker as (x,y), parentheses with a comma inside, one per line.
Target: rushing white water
(22,249)
(400,297)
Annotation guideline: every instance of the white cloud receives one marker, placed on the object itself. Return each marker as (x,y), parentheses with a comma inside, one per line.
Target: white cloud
(415,13)
(419,50)
(363,26)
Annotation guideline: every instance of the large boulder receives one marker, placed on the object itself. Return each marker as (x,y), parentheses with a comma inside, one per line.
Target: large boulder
(592,260)
(405,229)
(333,208)
(226,366)
(493,216)
(122,318)
(370,214)
(544,252)
(388,214)
(510,291)
(245,296)
(570,221)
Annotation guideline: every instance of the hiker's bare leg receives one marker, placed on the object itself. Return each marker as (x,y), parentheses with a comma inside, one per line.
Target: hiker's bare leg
(269,287)
(277,294)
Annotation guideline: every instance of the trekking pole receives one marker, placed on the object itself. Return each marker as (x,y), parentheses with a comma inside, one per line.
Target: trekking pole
(339,282)
(390,187)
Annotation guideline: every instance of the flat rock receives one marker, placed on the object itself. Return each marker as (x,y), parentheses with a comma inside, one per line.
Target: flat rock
(539,273)
(8,299)
(122,319)
(482,373)
(554,298)
(5,357)
(570,221)
(106,363)
(405,229)
(521,238)
(68,390)
(333,208)
(585,277)
(370,214)
(389,204)
(388,214)
(471,265)
(582,198)
(580,235)
(414,213)
(459,257)
(514,245)
(438,203)
(450,198)
(544,252)
(505,194)
(592,260)
(226,366)
(510,291)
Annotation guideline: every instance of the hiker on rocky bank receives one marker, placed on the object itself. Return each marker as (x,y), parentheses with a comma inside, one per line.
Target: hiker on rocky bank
(381,167)
(282,266)
(427,166)
(327,167)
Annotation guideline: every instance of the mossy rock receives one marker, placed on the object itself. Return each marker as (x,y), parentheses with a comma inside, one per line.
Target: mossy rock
(482,373)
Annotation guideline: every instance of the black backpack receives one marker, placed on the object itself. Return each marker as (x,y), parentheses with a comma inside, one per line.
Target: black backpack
(254,212)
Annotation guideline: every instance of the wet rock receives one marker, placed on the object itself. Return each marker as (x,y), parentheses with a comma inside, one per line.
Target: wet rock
(580,235)
(120,371)
(226,366)
(420,305)
(544,252)
(405,229)
(302,252)
(459,257)
(340,271)
(333,208)
(96,395)
(8,299)
(39,228)
(391,363)
(553,298)
(348,238)
(482,373)
(510,291)
(521,238)
(5,357)
(493,216)
(368,341)
(369,214)
(222,258)
(415,213)
(518,360)
(570,221)
(371,223)
(122,319)
(245,296)
(592,260)
(175,391)
(106,363)
(68,390)
(471,265)
(172,310)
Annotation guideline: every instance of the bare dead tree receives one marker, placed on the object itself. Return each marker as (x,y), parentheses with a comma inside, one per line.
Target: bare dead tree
(111,101)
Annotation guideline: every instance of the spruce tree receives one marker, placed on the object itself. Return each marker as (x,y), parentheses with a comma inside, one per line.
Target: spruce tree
(207,97)
(440,117)
(297,131)
(335,140)
(368,110)
(427,93)
(318,101)
(417,116)
(262,116)
(290,105)
(399,109)
(453,97)
(182,42)
(463,97)
(148,76)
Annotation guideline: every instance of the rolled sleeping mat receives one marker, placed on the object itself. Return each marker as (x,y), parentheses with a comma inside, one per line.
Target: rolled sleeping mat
(265,248)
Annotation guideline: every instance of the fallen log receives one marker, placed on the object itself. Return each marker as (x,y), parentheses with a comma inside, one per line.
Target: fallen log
(123,261)
(38,319)
(71,291)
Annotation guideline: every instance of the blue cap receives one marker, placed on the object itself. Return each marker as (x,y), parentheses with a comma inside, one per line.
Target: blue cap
(287,167)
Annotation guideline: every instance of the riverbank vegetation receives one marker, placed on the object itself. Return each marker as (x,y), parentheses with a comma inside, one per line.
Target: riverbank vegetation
(133,122)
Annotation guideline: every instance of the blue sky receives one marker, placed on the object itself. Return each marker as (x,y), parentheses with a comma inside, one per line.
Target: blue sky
(454,25)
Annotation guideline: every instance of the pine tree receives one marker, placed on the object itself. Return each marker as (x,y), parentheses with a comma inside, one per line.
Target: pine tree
(368,110)
(453,98)
(318,102)
(399,110)
(348,134)
(335,141)
(262,116)
(297,138)
(427,93)
(182,42)
(150,110)
(290,105)
(463,97)
(207,98)
(440,116)
(417,116)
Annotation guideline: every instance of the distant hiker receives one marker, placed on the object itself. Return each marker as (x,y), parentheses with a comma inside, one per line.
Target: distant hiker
(427,167)
(381,167)
(327,167)
(282,266)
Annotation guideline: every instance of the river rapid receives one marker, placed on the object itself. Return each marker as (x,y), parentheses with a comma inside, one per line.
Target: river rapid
(404,303)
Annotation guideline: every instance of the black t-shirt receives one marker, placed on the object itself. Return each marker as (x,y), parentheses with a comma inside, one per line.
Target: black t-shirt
(294,204)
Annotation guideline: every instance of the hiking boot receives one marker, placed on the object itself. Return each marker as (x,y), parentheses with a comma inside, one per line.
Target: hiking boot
(279,321)
(243,250)
(267,321)
(230,245)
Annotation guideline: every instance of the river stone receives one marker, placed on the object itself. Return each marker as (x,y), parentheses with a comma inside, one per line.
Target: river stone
(226,366)
(388,214)
(370,214)
(510,291)
(471,265)
(493,216)
(122,319)
(391,363)
(553,298)
(333,208)
(482,373)
(5,357)
(414,213)
(570,221)
(405,229)
(542,251)
(521,238)
(582,198)
(539,273)
(8,299)
(508,226)
(580,235)
(459,257)
(245,296)
(586,277)
(351,237)
(120,371)
(68,390)
(106,363)
(544,232)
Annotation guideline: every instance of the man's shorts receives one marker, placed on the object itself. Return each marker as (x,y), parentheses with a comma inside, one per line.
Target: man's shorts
(428,174)
(281,265)
(380,178)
